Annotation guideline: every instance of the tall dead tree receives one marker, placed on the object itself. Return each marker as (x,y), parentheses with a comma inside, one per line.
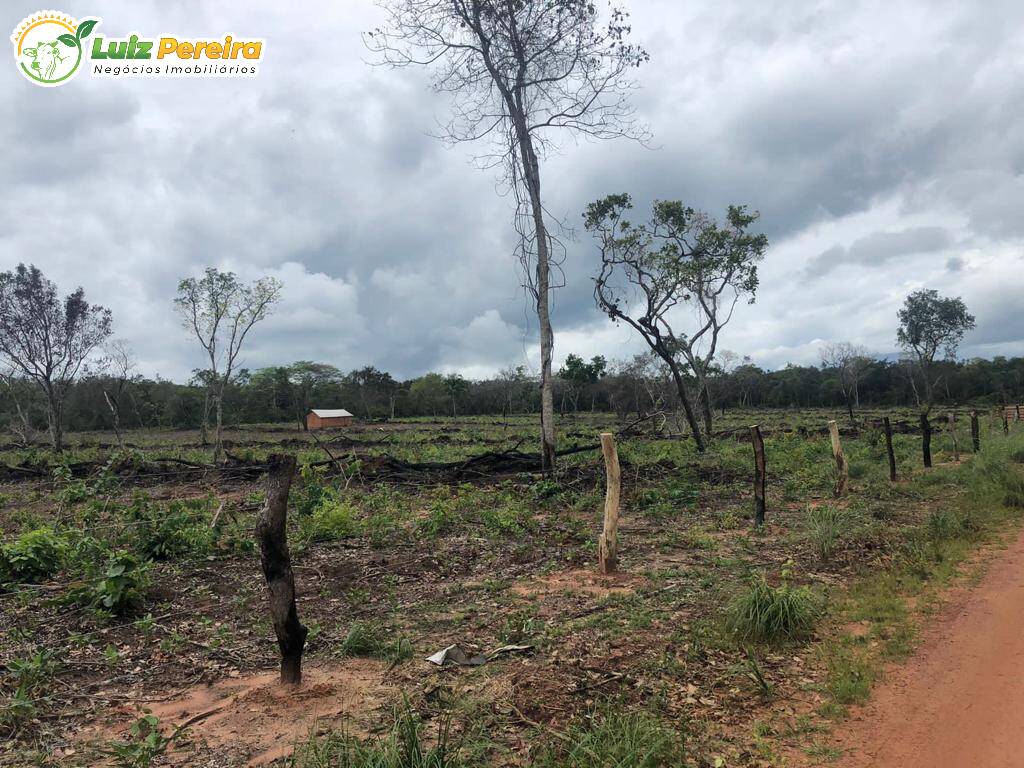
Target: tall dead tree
(46,338)
(272,533)
(520,70)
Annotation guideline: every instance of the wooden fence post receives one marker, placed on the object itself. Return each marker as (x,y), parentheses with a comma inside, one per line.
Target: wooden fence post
(952,433)
(272,533)
(1006,424)
(608,544)
(926,440)
(975,432)
(841,464)
(888,448)
(760,476)
(1018,412)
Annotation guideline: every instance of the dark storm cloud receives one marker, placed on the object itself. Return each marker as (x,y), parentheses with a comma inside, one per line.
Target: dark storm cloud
(867,144)
(878,248)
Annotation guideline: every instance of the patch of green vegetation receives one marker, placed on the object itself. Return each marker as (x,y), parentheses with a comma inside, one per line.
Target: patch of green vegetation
(766,614)
(407,745)
(371,640)
(33,556)
(613,737)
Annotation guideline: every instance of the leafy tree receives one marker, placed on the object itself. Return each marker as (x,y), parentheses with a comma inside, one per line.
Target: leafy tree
(521,69)
(457,387)
(580,374)
(220,310)
(429,391)
(46,338)
(930,324)
(307,378)
(680,256)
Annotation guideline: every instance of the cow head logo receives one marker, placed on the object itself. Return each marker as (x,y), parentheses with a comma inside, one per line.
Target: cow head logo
(48,47)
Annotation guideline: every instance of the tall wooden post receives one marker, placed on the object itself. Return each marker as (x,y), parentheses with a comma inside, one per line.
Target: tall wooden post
(608,544)
(760,475)
(975,432)
(272,533)
(1006,424)
(926,440)
(952,433)
(888,448)
(842,467)
(1018,412)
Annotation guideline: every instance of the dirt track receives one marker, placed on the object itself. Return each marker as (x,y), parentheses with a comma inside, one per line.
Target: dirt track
(959,702)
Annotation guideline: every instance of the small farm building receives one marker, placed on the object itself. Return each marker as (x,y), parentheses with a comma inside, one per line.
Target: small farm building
(325,418)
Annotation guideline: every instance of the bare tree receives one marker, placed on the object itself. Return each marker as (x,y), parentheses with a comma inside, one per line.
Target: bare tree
(15,386)
(520,68)
(221,311)
(46,338)
(120,365)
(680,257)
(850,362)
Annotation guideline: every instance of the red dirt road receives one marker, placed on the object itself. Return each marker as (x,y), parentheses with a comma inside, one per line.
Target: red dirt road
(959,702)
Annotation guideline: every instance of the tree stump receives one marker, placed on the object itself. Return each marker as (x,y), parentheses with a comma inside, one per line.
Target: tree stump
(842,467)
(926,440)
(760,475)
(608,544)
(952,433)
(888,448)
(271,532)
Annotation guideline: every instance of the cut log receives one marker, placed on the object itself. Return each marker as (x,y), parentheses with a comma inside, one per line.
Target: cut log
(608,545)
(271,532)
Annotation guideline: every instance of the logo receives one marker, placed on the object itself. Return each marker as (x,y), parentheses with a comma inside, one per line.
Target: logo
(48,47)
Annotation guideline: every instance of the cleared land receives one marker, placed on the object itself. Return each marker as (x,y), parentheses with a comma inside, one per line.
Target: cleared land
(686,656)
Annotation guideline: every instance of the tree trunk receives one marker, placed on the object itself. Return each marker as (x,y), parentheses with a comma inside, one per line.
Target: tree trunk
(849,409)
(684,398)
(204,427)
(975,432)
(218,448)
(272,532)
(54,415)
(115,417)
(531,175)
(708,408)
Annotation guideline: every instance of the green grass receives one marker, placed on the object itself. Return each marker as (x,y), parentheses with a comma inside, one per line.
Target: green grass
(614,738)
(766,614)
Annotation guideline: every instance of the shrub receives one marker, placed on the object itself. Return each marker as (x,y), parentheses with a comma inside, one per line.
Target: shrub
(172,532)
(33,556)
(333,519)
(118,588)
(772,614)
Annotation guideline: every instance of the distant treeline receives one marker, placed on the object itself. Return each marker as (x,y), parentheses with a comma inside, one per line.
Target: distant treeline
(636,387)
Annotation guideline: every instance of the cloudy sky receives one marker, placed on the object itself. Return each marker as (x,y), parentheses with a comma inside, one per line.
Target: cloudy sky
(881,141)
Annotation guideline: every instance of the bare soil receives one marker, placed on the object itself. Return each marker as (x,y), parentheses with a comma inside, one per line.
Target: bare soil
(960,700)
